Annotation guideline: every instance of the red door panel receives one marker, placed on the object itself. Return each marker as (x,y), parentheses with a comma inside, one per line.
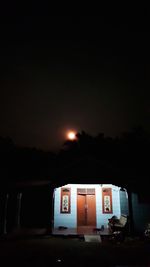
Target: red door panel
(86,209)
(81,212)
(91,210)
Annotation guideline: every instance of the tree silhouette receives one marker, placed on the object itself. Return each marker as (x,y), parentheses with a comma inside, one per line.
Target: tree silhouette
(124,157)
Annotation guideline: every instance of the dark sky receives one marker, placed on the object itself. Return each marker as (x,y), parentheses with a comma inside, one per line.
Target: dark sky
(88,73)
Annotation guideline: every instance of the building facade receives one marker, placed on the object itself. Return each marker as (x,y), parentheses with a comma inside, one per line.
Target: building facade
(85,207)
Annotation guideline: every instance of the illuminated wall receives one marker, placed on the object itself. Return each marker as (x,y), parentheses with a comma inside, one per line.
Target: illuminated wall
(70,219)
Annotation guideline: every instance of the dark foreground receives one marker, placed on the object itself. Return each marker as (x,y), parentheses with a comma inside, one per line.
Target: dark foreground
(59,251)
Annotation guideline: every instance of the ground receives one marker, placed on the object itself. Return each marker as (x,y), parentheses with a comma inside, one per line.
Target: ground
(63,251)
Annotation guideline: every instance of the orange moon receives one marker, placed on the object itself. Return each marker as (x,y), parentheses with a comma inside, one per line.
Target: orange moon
(71,135)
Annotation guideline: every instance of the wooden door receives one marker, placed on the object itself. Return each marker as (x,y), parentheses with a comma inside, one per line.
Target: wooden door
(86,208)
(91,210)
(81,213)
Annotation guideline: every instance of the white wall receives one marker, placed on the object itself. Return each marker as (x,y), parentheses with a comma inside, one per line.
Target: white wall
(70,220)
(102,219)
(61,219)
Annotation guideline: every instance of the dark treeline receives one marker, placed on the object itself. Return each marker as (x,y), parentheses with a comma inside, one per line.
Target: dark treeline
(125,156)
(23,163)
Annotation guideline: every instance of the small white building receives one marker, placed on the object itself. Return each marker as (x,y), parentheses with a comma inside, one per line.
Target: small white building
(81,208)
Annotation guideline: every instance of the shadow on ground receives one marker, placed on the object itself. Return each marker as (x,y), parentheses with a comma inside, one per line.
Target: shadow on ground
(63,251)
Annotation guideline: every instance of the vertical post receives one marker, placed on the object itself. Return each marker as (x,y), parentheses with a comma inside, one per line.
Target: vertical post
(18,210)
(131,221)
(52,209)
(5,214)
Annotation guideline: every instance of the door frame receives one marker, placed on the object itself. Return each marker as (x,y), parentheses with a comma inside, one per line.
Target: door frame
(86,191)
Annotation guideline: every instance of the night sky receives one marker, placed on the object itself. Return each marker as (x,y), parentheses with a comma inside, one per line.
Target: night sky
(88,73)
